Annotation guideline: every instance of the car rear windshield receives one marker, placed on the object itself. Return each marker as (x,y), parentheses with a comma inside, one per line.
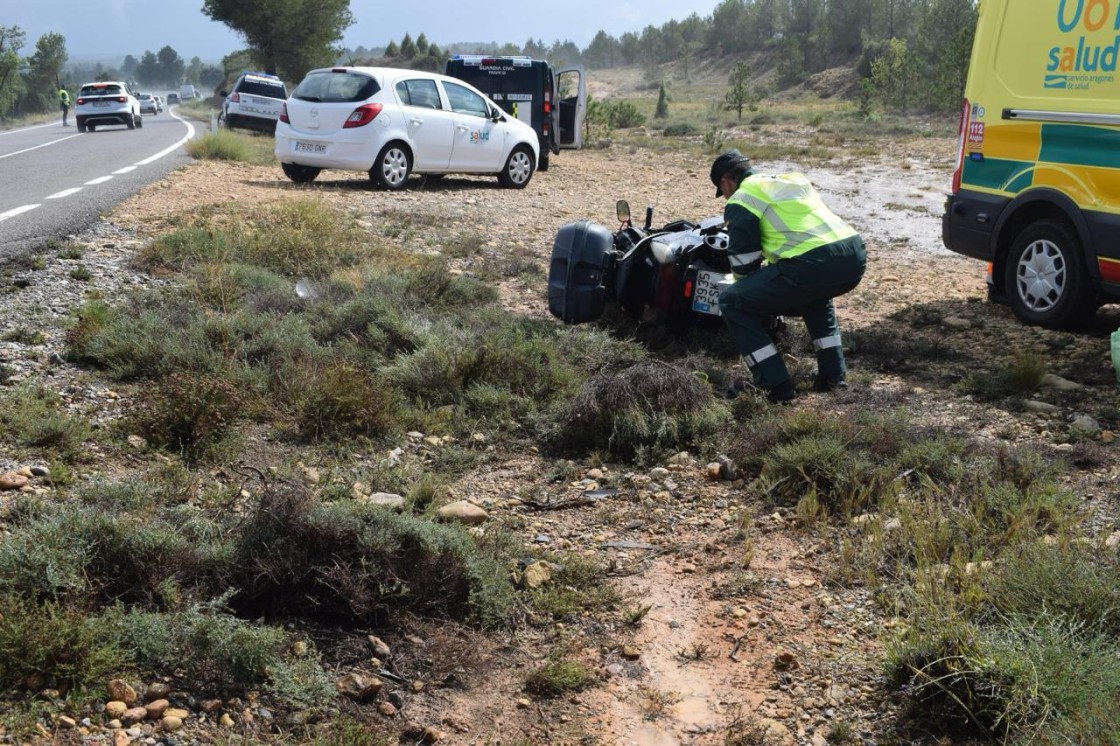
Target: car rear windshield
(100,90)
(262,88)
(336,87)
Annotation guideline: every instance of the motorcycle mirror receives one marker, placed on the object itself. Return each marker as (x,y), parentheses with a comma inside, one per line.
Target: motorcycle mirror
(622,210)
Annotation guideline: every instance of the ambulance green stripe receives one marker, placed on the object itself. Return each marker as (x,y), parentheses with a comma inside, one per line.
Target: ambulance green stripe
(1080,145)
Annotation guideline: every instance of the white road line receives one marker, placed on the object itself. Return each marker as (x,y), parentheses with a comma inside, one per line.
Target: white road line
(28,150)
(65,193)
(17,211)
(124,170)
(32,127)
(98,180)
(173,148)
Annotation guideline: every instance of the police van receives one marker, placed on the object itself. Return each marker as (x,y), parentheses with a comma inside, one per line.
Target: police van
(1036,190)
(552,102)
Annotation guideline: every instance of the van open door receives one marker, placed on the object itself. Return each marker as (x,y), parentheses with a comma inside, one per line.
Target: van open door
(571,95)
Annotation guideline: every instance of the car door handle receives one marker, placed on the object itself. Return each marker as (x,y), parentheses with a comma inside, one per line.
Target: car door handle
(417,121)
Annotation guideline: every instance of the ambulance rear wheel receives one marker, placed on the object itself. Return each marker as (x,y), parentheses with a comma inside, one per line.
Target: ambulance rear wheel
(1045,277)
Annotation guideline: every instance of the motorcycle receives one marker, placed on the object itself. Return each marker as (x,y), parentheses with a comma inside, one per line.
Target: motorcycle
(672,274)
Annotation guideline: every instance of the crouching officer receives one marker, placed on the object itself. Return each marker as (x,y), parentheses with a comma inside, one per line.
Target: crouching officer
(811,256)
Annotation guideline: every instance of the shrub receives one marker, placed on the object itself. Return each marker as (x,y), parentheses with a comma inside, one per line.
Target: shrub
(647,406)
(828,470)
(623,114)
(191,414)
(30,415)
(56,641)
(220,653)
(356,563)
(559,677)
(343,400)
(684,129)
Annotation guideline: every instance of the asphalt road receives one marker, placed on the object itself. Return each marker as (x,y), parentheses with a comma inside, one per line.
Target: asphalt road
(55,181)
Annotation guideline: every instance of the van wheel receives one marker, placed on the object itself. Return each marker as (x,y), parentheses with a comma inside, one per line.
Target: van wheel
(392,167)
(1045,277)
(544,163)
(518,169)
(300,174)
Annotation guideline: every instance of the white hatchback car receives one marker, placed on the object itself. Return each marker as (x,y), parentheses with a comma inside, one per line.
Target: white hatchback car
(392,123)
(106,102)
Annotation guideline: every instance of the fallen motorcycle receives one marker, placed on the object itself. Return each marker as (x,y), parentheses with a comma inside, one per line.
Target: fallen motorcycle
(671,274)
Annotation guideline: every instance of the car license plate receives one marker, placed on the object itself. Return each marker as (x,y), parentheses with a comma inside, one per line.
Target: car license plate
(310,147)
(705,299)
(100,103)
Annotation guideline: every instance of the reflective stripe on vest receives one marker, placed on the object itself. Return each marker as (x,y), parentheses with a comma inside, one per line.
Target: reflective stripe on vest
(792,215)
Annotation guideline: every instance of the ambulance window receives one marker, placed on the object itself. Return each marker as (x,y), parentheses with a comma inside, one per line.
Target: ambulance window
(419,93)
(465,101)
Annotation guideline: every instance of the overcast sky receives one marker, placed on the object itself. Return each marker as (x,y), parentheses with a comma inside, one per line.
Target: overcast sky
(96,29)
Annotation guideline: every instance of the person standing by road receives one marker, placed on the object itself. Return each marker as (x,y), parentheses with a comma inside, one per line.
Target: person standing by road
(790,255)
(64,104)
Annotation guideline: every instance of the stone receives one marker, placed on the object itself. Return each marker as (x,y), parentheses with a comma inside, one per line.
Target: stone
(431,735)
(956,322)
(40,471)
(631,652)
(67,723)
(536,575)
(659,472)
(157,690)
(210,706)
(115,709)
(380,648)
(463,512)
(11,480)
(387,709)
(775,732)
(171,723)
(386,500)
(225,721)
(119,689)
(156,708)
(357,687)
(177,712)
(134,715)
(120,738)
(138,442)
(1058,383)
(1085,424)
(1041,407)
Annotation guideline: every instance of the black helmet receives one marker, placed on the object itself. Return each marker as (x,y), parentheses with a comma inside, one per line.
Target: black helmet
(727,162)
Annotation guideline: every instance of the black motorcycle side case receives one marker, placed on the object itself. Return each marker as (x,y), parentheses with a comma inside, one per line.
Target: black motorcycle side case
(575,273)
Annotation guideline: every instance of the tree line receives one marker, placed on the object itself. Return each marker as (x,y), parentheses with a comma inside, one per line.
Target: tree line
(912,54)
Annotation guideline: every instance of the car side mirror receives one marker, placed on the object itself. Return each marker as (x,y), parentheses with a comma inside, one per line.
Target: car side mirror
(495,114)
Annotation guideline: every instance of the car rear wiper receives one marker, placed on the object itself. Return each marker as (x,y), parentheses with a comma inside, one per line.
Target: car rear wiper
(312,99)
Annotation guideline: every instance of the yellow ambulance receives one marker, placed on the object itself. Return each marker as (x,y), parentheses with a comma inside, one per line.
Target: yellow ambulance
(1036,190)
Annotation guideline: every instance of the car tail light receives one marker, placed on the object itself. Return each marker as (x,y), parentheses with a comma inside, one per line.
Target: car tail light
(235,97)
(687,289)
(962,134)
(362,116)
(547,102)
(284,113)
(122,99)
(79,101)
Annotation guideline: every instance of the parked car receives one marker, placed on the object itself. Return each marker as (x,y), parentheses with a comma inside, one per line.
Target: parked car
(106,102)
(148,103)
(253,102)
(172,98)
(392,123)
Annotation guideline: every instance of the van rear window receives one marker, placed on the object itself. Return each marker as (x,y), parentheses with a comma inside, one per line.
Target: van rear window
(336,87)
(258,88)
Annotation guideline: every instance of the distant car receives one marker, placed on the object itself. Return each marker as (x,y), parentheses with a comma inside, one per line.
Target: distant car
(148,103)
(159,102)
(393,122)
(106,102)
(254,102)
(172,98)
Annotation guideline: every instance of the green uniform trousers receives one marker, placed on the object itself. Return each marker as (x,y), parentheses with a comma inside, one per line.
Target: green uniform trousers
(800,286)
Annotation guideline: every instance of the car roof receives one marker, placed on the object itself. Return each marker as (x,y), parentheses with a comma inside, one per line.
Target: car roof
(385,72)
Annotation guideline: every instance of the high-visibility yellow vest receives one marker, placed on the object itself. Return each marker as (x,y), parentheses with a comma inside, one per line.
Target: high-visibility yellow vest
(792,215)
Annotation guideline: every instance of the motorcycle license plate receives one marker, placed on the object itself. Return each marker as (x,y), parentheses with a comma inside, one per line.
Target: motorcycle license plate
(705,298)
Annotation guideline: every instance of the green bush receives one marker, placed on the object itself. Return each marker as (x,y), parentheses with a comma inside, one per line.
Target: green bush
(623,115)
(558,677)
(342,400)
(841,478)
(641,408)
(191,414)
(55,640)
(684,129)
(353,562)
(220,146)
(31,415)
